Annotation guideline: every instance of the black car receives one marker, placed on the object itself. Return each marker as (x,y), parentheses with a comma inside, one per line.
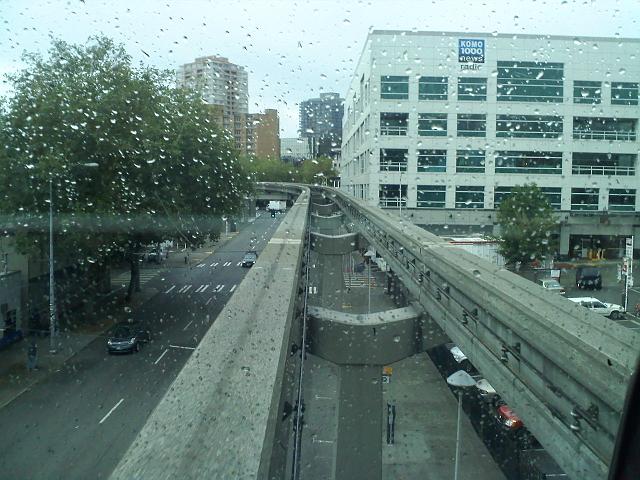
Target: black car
(127,337)
(249,259)
(588,277)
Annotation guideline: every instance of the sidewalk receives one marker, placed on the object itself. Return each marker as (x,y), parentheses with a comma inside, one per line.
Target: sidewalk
(113,308)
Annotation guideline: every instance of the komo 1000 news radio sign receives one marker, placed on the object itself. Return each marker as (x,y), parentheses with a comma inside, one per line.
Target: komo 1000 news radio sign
(470,50)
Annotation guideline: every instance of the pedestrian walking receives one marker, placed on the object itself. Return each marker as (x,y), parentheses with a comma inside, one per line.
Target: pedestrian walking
(32,356)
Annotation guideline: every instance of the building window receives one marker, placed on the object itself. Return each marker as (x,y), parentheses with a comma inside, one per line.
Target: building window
(470,161)
(431,196)
(392,195)
(583,163)
(432,124)
(472,89)
(530,81)
(532,163)
(393,159)
(470,197)
(432,88)
(584,199)
(624,93)
(472,125)
(622,200)
(394,87)
(500,194)
(587,92)
(432,160)
(528,126)
(599,128)
(553,194)
(393,123)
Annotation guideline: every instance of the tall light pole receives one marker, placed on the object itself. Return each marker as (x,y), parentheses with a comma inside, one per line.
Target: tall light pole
(369,254)
(53,313)
(460,380)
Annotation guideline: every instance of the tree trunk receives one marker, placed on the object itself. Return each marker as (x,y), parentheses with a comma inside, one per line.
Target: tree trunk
(134,281)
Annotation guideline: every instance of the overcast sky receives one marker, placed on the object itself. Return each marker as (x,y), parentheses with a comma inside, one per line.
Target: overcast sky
(292,50)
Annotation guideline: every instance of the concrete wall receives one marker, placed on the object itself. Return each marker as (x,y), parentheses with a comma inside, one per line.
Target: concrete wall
(325,209)
(383,338)
(322,222)
(334,244)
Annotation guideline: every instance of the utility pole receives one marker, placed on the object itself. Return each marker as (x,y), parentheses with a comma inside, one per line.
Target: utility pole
(52,300)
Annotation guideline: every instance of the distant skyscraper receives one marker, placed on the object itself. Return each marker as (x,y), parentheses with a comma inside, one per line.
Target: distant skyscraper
(263,134)
(321,123)
(225,86)
(294,150)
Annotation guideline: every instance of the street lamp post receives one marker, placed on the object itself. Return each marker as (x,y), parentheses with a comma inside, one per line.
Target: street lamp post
(460,380)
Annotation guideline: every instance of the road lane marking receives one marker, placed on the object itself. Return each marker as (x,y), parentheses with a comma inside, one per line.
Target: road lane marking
(227,264)
(160,357)
(209,301)
(221,287)
(198,289)
(213,264)
(170,289)
(111,411)
(184,348)
(205,287)
(186,289)
(187,325)
(232,289)
(201,265)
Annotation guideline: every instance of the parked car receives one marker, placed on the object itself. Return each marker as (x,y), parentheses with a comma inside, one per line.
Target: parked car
(610,310)
(552,285)
(127,337)
(588,277)
(249,259)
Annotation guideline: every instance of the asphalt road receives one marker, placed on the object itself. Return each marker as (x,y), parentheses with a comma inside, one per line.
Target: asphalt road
(81,420)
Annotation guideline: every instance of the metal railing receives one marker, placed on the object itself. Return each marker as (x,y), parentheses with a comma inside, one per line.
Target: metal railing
(393,166)
(602,170)
(604,135)
(392,202)
(393,130)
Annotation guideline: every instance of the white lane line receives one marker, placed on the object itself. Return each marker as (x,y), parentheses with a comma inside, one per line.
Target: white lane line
(184,348)
(170,289)
(187,289)
(205,287)
(220,289)
(232,288)
(187,325)
(209,301)
(160,357)
(111,411)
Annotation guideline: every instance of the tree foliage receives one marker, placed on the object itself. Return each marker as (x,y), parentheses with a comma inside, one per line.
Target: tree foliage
(131,159)
(315,171)
(526,224)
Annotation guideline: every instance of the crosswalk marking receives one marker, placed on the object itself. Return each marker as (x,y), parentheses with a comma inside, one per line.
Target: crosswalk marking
(200,288)
(170,289)
(214,264)
(227,264)
(221,287)
(358,280)
(232,289)
(201,265)
(205,287)
(125,277)
(185,289)
(239,263)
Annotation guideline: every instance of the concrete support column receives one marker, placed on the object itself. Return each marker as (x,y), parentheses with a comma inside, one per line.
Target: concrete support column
(565,232)
(358,455)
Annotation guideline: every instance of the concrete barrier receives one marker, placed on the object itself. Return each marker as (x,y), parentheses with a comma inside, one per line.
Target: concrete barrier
(334,244)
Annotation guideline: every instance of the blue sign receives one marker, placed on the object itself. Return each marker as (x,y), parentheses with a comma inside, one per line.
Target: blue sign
(470,50)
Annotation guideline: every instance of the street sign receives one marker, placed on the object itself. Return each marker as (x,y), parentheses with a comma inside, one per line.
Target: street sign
(628,247)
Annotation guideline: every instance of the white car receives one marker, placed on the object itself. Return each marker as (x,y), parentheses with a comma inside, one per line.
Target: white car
(552,285)
(610,310)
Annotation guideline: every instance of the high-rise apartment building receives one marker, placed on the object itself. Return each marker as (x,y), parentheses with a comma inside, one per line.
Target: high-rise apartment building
(224,85)
(442,126)
(263,134)
(294,150)
(321,123)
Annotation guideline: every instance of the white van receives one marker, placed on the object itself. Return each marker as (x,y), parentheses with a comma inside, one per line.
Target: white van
(610,310)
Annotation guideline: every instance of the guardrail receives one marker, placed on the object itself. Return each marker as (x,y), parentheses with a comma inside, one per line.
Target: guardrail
(564,369)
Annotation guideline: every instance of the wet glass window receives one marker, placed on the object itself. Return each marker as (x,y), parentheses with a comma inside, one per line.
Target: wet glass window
(584,198)
(432,88)
(432,124)
(431,196)
(530,81)
(470,161)
(624,93)
(472,125)
(472,89)
(529,126)
(394,87)
(587,92)
(432,160)
(523,162)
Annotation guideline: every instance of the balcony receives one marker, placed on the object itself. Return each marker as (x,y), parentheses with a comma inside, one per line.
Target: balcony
(397,130)
(602,170)
(604,135)
(392,202)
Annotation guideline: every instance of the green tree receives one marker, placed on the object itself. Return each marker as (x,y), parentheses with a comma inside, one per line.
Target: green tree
(526,224)
(162,168)
(317,171)
(270,170)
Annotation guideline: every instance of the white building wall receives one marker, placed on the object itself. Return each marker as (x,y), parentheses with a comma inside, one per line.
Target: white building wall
(434,54)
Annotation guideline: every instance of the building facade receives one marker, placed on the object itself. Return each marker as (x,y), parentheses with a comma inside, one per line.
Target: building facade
(442,126)
(225,86)
(321,123)
(294,150)
(263,134)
